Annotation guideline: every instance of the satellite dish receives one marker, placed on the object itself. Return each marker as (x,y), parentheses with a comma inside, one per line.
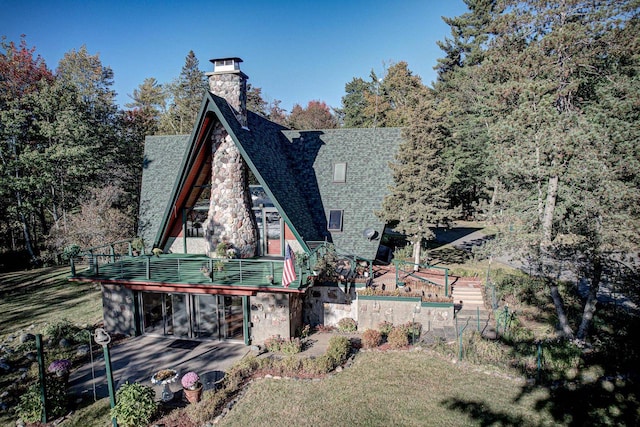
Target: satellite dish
(369,233)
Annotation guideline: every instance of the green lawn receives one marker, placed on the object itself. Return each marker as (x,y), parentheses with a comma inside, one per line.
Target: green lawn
(35,297)
(393,389)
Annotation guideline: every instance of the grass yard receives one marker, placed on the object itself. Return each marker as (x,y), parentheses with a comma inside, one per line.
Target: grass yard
(31,299)
(35,297)
(392,389)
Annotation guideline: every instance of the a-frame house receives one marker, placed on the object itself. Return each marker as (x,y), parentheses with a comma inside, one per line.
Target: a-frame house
(220,207)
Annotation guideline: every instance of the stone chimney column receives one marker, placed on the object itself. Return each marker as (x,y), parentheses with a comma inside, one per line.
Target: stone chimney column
(230,219)
(228,82)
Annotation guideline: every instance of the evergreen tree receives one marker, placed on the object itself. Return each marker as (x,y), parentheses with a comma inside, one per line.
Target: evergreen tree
(148,102)
(185,96)
(21,73)
(549,69)
(354,104)
(417,201)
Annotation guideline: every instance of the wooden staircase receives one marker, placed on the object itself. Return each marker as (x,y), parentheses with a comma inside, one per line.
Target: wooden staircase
(469,302)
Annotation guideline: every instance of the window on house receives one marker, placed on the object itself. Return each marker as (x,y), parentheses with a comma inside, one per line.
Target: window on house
(340,172)
(335,220)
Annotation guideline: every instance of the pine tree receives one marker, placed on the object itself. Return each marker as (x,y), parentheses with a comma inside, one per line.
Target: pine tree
(548,69)
(417,201)
(185,95)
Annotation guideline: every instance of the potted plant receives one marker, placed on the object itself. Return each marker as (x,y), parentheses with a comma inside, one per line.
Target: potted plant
(219,265)
(205,271)
(137,246)
(192,387)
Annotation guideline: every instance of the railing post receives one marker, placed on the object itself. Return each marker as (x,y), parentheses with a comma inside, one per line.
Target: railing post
(240,267)
(112,253)
(73,267)
(41,375)
(446,282)
(478,317)
(148,268)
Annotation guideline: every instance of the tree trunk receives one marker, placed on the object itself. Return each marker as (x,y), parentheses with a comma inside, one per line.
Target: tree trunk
(592,300)
(25,229)
(549,210)
(545,246)
(563,322)
(416,254)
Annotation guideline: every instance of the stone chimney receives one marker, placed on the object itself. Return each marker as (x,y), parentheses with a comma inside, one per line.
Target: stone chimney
(230,221)
(228,82)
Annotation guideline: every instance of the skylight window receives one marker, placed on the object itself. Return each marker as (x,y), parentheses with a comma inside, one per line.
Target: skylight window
(340,172)
(335,220)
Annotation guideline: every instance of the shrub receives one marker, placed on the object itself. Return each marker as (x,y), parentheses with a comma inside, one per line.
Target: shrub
(338,350)
(385,327)
(316,365)
(273,343)
(398,338)
(60,329)
(304,331)
(413,329)
(135,405)
(290,366)
(347,324)
(292,346)
(371,338)
(30,406)
(287,346)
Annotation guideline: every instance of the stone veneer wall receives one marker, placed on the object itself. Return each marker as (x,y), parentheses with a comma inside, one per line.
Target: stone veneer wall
(372,311)
(327,304)
(118,309)
(230,218)
(270,315)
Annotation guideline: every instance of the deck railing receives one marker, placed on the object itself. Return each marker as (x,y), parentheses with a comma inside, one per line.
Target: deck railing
(405,269)
(180,268)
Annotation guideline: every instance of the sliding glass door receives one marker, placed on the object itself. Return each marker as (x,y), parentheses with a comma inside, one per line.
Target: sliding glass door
(192,316)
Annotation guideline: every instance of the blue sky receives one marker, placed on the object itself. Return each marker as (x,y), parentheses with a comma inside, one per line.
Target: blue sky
(296,51)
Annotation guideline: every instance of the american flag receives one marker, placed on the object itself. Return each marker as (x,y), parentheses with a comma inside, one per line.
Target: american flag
(289,271)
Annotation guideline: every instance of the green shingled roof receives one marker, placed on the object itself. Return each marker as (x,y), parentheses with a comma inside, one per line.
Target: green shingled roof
(162,160)
(295,169)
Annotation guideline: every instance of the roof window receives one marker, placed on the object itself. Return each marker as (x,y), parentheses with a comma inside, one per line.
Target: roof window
(339,172)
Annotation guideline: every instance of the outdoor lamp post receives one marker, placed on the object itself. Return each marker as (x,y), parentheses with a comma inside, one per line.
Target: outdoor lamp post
(102,338)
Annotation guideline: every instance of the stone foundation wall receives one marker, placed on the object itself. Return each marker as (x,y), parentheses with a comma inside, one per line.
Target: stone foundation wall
(118,310)
(270,315)
(327,304)
(374,310)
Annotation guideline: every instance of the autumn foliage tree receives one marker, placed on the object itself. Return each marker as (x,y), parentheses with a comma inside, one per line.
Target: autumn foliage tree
(316,115)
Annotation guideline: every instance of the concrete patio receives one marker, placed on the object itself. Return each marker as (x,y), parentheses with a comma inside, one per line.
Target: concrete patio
(137,359)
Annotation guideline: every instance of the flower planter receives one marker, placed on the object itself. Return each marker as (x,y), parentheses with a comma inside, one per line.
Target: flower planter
(193,395)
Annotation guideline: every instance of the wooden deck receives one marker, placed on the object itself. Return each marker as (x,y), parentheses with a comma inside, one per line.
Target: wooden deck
(184,269)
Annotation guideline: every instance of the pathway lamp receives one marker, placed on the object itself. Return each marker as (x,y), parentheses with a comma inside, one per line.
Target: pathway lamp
(102,338)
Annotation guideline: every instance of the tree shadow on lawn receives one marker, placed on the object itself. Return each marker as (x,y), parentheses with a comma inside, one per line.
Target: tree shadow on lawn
(600,388)
(478,411)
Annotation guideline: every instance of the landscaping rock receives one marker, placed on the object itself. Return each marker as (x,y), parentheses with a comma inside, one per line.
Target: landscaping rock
(24,338)
(83,350)
(64,343)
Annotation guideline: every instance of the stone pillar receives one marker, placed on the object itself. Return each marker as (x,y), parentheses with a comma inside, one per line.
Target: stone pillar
(230,218)
(231,86)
